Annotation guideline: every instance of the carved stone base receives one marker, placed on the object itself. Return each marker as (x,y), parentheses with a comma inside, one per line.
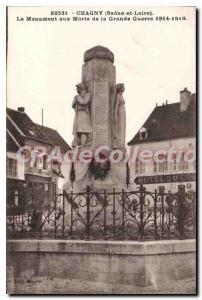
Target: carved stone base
(116,179)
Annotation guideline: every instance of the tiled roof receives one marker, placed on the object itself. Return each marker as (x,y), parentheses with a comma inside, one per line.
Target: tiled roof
(33,130)
(11,146)
(168,122)
(54,137)
(26,125)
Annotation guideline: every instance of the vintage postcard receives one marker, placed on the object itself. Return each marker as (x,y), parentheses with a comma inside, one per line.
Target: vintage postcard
(101,150)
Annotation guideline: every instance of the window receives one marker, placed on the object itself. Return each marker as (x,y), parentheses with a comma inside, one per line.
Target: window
(32,132)
(142,167)
(174,163)
(183,165)
(11,167)
(44,162)
(143,133)
(155,167)
(29,185)
(40,186)
(46,187)
(136,167)
(162,165)
(139,167)
(33,161)
(40,164)
(16,198)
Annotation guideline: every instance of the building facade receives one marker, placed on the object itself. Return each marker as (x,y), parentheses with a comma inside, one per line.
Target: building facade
(31,171)
(166,147)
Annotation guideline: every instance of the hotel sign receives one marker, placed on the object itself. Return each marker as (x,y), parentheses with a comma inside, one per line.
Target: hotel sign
(165,178)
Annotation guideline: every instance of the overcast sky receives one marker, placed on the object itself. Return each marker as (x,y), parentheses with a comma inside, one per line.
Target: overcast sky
(155,60)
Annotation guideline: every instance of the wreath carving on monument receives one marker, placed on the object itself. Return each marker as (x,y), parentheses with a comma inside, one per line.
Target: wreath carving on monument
(100,170)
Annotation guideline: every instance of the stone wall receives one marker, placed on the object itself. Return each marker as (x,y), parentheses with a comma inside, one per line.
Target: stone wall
(125,262)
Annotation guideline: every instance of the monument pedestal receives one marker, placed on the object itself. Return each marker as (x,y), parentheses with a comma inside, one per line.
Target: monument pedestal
(116,179)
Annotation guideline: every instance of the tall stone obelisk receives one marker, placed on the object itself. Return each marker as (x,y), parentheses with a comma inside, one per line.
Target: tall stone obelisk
(99,75)
(99,122)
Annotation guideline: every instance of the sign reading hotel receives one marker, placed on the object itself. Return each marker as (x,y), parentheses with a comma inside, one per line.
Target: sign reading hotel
(165,178)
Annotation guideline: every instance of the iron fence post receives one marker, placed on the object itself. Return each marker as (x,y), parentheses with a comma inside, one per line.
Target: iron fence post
(155,215)
(87,212)
(194,215)
(63,214)
(55,216)
(127,174)
(141,211)
(162,213)
(169,212)
(181,210)
(22,227)
(113,213)
(71,203)
(13,219)
(123,215)
(105,212)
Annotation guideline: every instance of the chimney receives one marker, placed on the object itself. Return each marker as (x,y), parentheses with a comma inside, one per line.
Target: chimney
(21,109)
(185,98)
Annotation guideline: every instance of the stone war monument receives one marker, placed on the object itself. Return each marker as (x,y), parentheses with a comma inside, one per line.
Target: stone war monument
(99,124)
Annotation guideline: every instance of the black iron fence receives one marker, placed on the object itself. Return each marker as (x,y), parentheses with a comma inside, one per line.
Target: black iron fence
(115,215)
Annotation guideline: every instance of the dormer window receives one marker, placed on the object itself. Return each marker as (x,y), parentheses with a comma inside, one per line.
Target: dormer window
(143,133)
(32,133)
